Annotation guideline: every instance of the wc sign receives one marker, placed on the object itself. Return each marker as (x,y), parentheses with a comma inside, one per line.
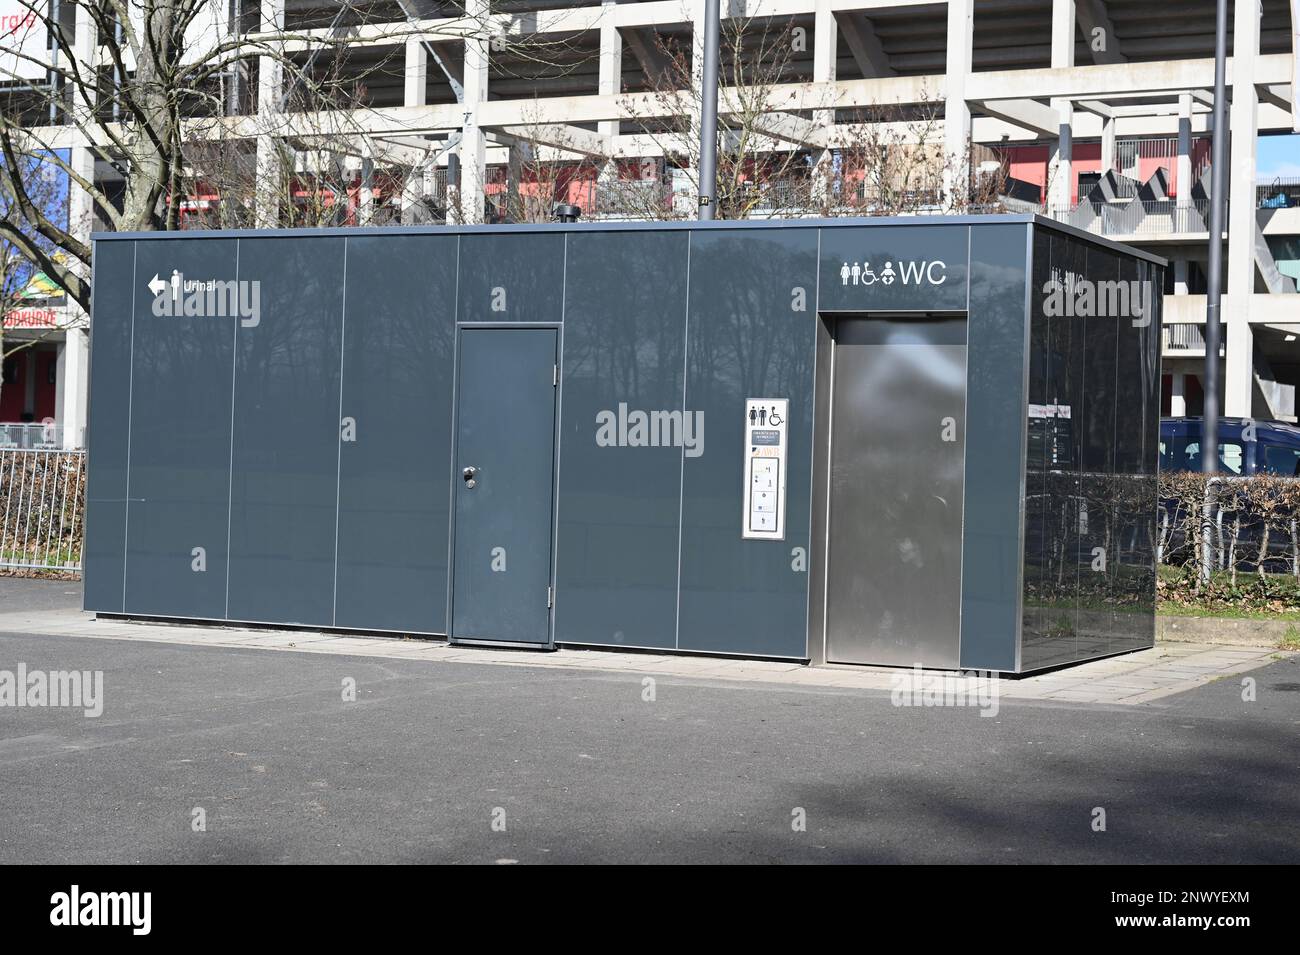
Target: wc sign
(902,273)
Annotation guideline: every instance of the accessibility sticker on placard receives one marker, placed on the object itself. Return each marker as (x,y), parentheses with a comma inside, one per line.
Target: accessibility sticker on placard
(766,432)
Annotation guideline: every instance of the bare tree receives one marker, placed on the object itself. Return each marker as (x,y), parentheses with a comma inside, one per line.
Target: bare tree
(21,283)
(813,159)
(171,105)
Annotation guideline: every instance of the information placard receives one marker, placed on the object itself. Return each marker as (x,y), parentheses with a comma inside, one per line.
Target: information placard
(766,432)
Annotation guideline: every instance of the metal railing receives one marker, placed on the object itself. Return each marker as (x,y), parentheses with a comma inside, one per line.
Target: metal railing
(1132,154)
(30,435)
(42,507)
(1184,338)
(1135,217)
(1278,194)
(629,198)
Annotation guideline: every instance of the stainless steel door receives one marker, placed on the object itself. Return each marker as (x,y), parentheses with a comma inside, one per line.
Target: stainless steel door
(898,448)
(504,485)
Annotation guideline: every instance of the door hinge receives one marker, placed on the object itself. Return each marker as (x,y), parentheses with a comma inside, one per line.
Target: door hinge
(555,375)
(548,596)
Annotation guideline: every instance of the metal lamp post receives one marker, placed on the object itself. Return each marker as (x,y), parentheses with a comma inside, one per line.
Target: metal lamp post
(1214,290)
(709,111)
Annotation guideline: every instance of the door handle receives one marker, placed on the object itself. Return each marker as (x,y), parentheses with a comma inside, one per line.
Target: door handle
(468,475)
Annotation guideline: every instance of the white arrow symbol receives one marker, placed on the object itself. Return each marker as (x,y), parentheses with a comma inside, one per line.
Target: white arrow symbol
(156,285)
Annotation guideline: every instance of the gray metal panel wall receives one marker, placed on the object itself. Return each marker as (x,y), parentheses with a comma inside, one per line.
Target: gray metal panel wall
(995,428)
(180,434)
(620,505)
(393,491)
(1135,490)
(511,277)
(1089,572)
(752,334)
(286,434)
(104,554)
(649,539)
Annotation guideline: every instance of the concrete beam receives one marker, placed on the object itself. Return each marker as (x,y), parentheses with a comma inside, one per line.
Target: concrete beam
(562,136)
(1097,108)
(1099,32)
(1090,82)
(572,20)
(654,64)
(860,35)
(1025,113)
(1278,94)
(1265,309)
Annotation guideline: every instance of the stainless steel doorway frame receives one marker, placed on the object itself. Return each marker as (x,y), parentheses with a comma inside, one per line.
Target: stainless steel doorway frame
(823,413)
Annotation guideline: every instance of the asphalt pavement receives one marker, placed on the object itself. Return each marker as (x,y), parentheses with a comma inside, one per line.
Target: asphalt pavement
(440,761)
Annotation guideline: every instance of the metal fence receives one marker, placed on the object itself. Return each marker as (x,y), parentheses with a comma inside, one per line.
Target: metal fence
(1278,194)
(42,508)
(1184,338)
(1133,155)
(33,435)
(1135,217)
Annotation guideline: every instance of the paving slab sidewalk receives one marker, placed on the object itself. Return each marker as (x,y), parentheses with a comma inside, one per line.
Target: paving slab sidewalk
(1134,678)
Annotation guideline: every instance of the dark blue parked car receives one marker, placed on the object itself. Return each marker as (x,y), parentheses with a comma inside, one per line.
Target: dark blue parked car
(1274,450)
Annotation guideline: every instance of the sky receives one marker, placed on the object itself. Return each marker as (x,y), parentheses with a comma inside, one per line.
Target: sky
(1278,156)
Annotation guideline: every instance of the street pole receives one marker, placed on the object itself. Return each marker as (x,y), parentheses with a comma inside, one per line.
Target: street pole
(708,188)
(1214,281)
(1218,204)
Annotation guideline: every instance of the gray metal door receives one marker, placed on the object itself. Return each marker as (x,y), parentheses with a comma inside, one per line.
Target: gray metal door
(504,485)
(898,448)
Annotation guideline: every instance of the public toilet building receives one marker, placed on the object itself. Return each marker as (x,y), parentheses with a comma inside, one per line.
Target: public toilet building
(908,441)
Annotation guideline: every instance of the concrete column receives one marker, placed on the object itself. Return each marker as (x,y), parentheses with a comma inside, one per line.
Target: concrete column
(366,194)
(270,87)
(826,35)
(28,357)
(414,94)
(515,156)
(70,372)
(1107,143)
(1178,399)
(610,81)
(1184,184)
(473,145)
(74,360)
(1060,173)
(1239,365)
(956,121)
(417,73)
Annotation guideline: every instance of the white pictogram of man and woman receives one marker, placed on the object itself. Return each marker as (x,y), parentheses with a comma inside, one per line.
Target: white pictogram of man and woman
(853,273)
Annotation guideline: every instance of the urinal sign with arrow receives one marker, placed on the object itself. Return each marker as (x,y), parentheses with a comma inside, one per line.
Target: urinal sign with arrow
(177,297)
